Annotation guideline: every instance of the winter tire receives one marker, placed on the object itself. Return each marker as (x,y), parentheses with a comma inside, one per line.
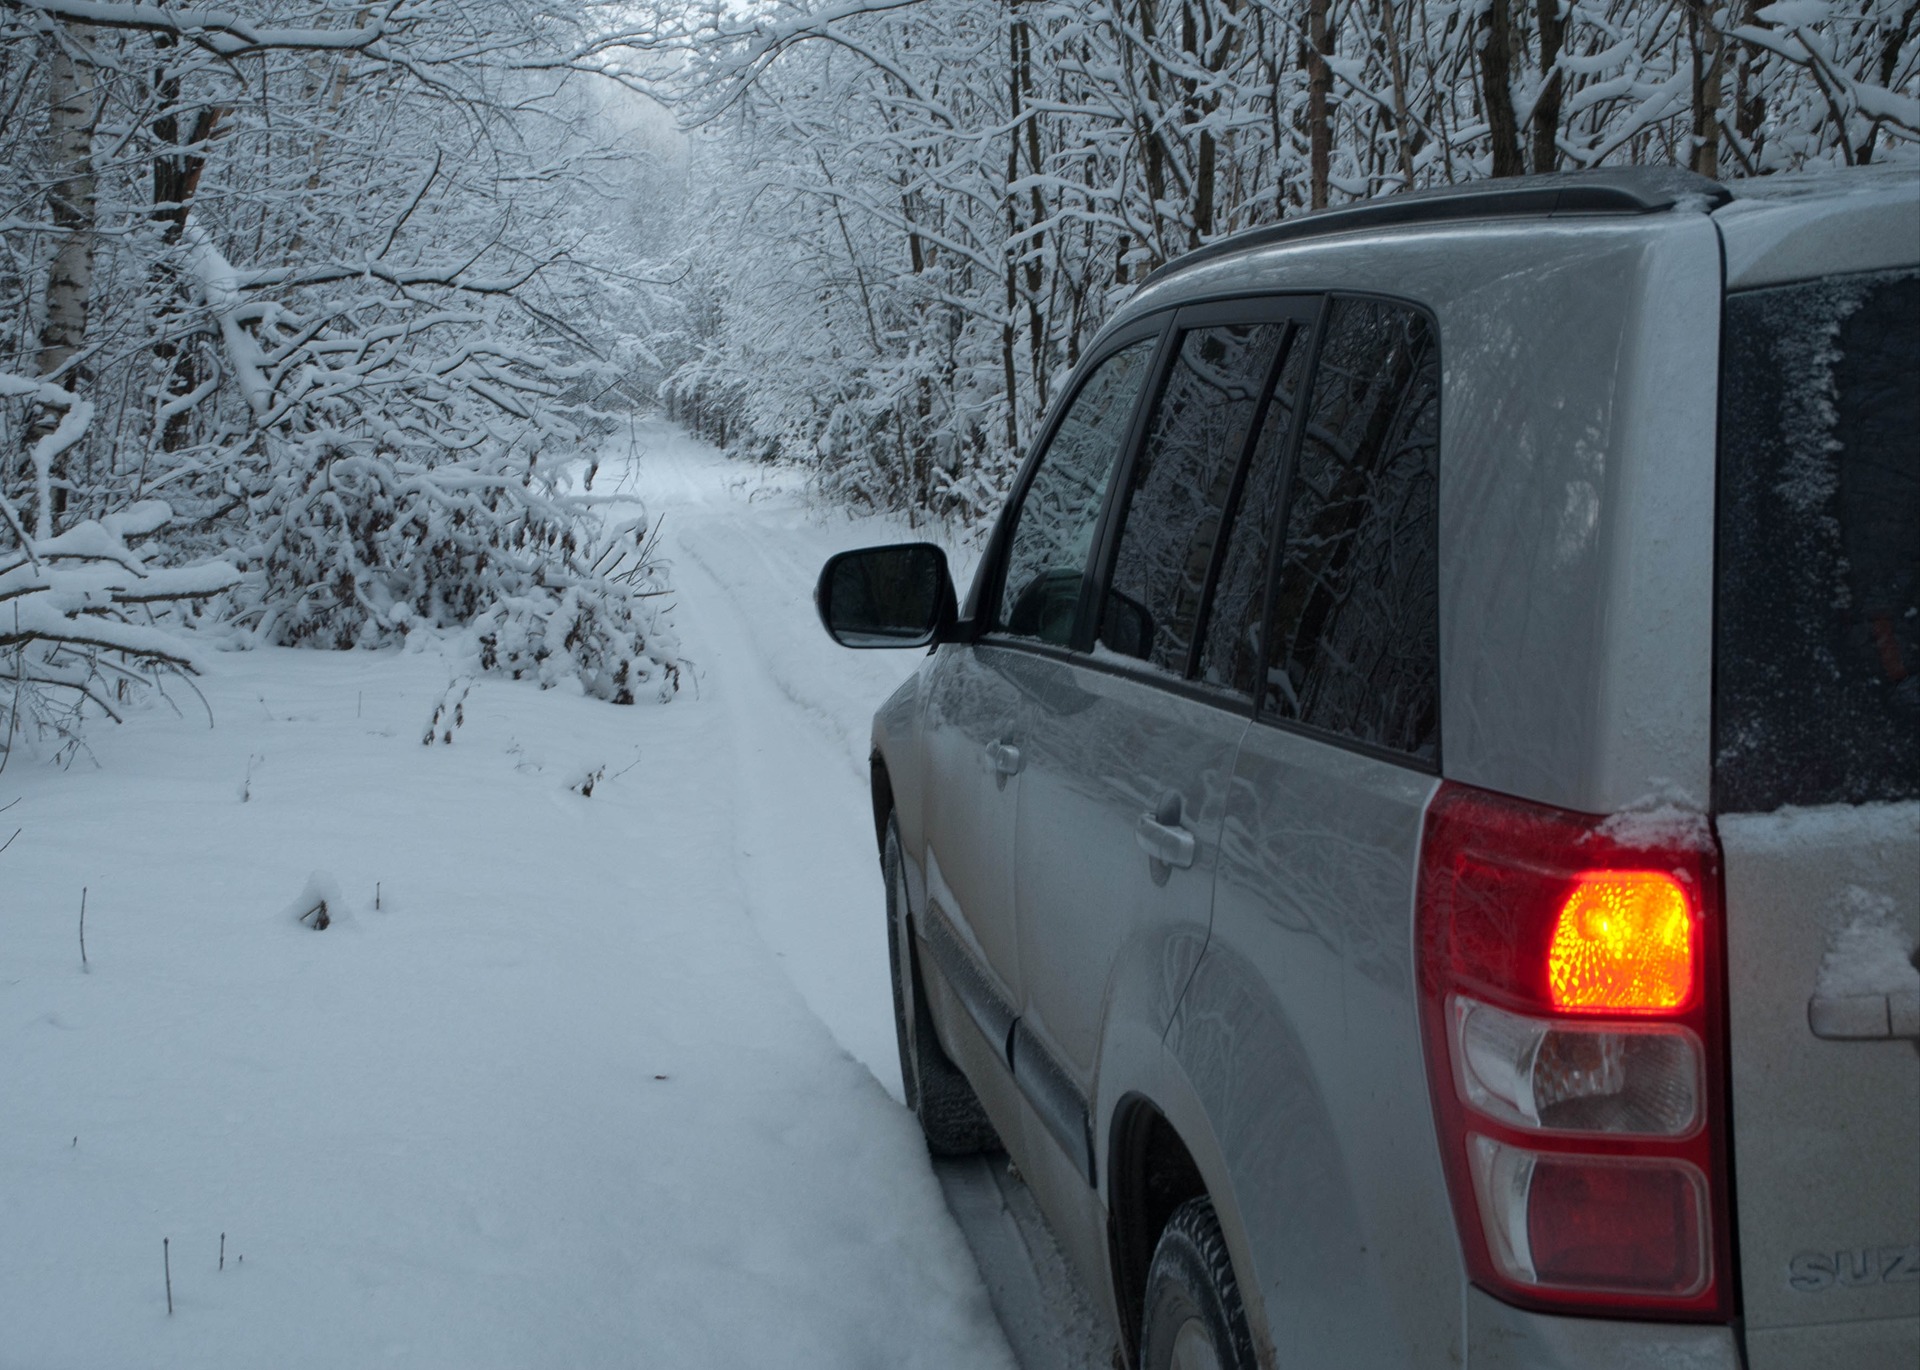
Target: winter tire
(1194,1320)
(949,1111)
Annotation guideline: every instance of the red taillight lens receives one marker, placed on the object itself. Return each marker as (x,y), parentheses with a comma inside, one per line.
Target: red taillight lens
(1585,1155)
(1600,1224)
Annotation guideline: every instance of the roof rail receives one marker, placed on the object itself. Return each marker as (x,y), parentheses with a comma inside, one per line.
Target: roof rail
(1611,190)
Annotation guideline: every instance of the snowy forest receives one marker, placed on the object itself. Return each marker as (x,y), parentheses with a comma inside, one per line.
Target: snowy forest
(389,389)
(305,314)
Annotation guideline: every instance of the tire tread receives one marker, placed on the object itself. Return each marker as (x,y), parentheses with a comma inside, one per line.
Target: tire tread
(1191,1266)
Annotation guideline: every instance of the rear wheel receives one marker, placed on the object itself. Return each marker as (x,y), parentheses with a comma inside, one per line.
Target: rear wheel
(949,1111)
(1194,1320)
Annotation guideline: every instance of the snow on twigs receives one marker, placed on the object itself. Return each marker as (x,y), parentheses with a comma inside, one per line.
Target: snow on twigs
(912,219)
(356,370)
(70,604)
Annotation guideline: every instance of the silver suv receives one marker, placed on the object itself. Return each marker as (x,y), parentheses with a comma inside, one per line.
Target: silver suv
(1413,841)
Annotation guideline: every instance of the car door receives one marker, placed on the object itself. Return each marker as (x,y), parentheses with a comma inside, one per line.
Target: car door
(1298,1030)
(1127,756)
(975,721)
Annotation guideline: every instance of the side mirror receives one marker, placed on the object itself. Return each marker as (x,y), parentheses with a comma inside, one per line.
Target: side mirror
(1127,626)
(898,596)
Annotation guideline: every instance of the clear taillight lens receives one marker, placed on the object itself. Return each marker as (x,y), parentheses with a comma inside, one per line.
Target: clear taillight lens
(1576,1076)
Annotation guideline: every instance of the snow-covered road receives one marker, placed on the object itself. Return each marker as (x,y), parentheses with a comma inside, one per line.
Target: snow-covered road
(599,1081)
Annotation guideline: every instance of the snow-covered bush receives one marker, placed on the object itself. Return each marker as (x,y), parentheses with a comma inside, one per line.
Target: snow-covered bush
(70,601)
(362,550)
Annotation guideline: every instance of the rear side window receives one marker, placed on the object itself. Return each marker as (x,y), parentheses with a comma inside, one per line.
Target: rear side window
(1230,650)
(1353,644)
(1817,652)
(1179,489)
(1053,534)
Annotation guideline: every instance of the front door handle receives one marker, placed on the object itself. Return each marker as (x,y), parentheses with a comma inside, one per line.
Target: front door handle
(1168,843)
(1004,757)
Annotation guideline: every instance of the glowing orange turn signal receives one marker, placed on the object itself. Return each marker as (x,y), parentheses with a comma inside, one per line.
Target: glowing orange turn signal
(1623,943)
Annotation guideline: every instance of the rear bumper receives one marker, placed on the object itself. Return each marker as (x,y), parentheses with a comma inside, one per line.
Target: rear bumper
(1501,1337)
(1880,1344)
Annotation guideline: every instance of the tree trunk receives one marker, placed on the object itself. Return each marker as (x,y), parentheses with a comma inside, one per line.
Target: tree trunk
(1546,110)
(1319,103)
(1036,241)
(1405,139)
(1147,121)
(1009,332)
(1709,66)
(1496,82)
(73,101)
(1749,105)
(176,172)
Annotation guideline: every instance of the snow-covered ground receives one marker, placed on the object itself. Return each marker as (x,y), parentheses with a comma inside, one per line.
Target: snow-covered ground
(599,1081)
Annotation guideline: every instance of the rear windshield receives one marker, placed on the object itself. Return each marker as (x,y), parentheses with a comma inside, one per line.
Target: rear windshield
(1817,654)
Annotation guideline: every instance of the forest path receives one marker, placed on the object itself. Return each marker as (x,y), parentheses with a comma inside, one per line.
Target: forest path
(746,547)
(547,1092)
(796,709)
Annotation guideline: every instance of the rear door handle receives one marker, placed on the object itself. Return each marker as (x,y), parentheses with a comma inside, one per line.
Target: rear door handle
(1004,757)
(1865,1017)
(1164,842)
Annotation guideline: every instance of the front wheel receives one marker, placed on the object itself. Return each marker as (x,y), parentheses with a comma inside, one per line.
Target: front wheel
(950,1114)
(1194,1319)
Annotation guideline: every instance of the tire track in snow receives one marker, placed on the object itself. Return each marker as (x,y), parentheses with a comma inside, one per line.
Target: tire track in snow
(803,838)
(798,709)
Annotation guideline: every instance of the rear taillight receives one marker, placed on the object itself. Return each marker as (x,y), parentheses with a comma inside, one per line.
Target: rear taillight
(1571,1004)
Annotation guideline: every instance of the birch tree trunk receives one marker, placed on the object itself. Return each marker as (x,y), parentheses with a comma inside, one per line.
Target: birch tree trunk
(72,95)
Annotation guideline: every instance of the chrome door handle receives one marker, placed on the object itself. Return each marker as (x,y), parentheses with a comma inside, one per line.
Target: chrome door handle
(1865,1017)
(1004,758)
(1164,842)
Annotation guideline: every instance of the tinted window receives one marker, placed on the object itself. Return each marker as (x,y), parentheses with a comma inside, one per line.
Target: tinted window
(1230,651)
(1053,535)
(1179,488)
(1353,645)
(1817,663)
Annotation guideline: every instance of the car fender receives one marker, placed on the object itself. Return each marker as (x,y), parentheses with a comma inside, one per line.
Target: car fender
(1242,1092)
(1139,1065)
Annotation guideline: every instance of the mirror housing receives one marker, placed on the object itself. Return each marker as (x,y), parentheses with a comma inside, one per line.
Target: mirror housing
(1127,626)
(896,596)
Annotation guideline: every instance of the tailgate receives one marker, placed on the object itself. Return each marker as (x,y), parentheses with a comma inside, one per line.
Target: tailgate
(1817,788)
(1821,906)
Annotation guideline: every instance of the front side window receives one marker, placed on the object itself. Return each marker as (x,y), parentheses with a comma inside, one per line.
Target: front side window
(1052,538)
(1817,652)
(1179,488)
(1353,646)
